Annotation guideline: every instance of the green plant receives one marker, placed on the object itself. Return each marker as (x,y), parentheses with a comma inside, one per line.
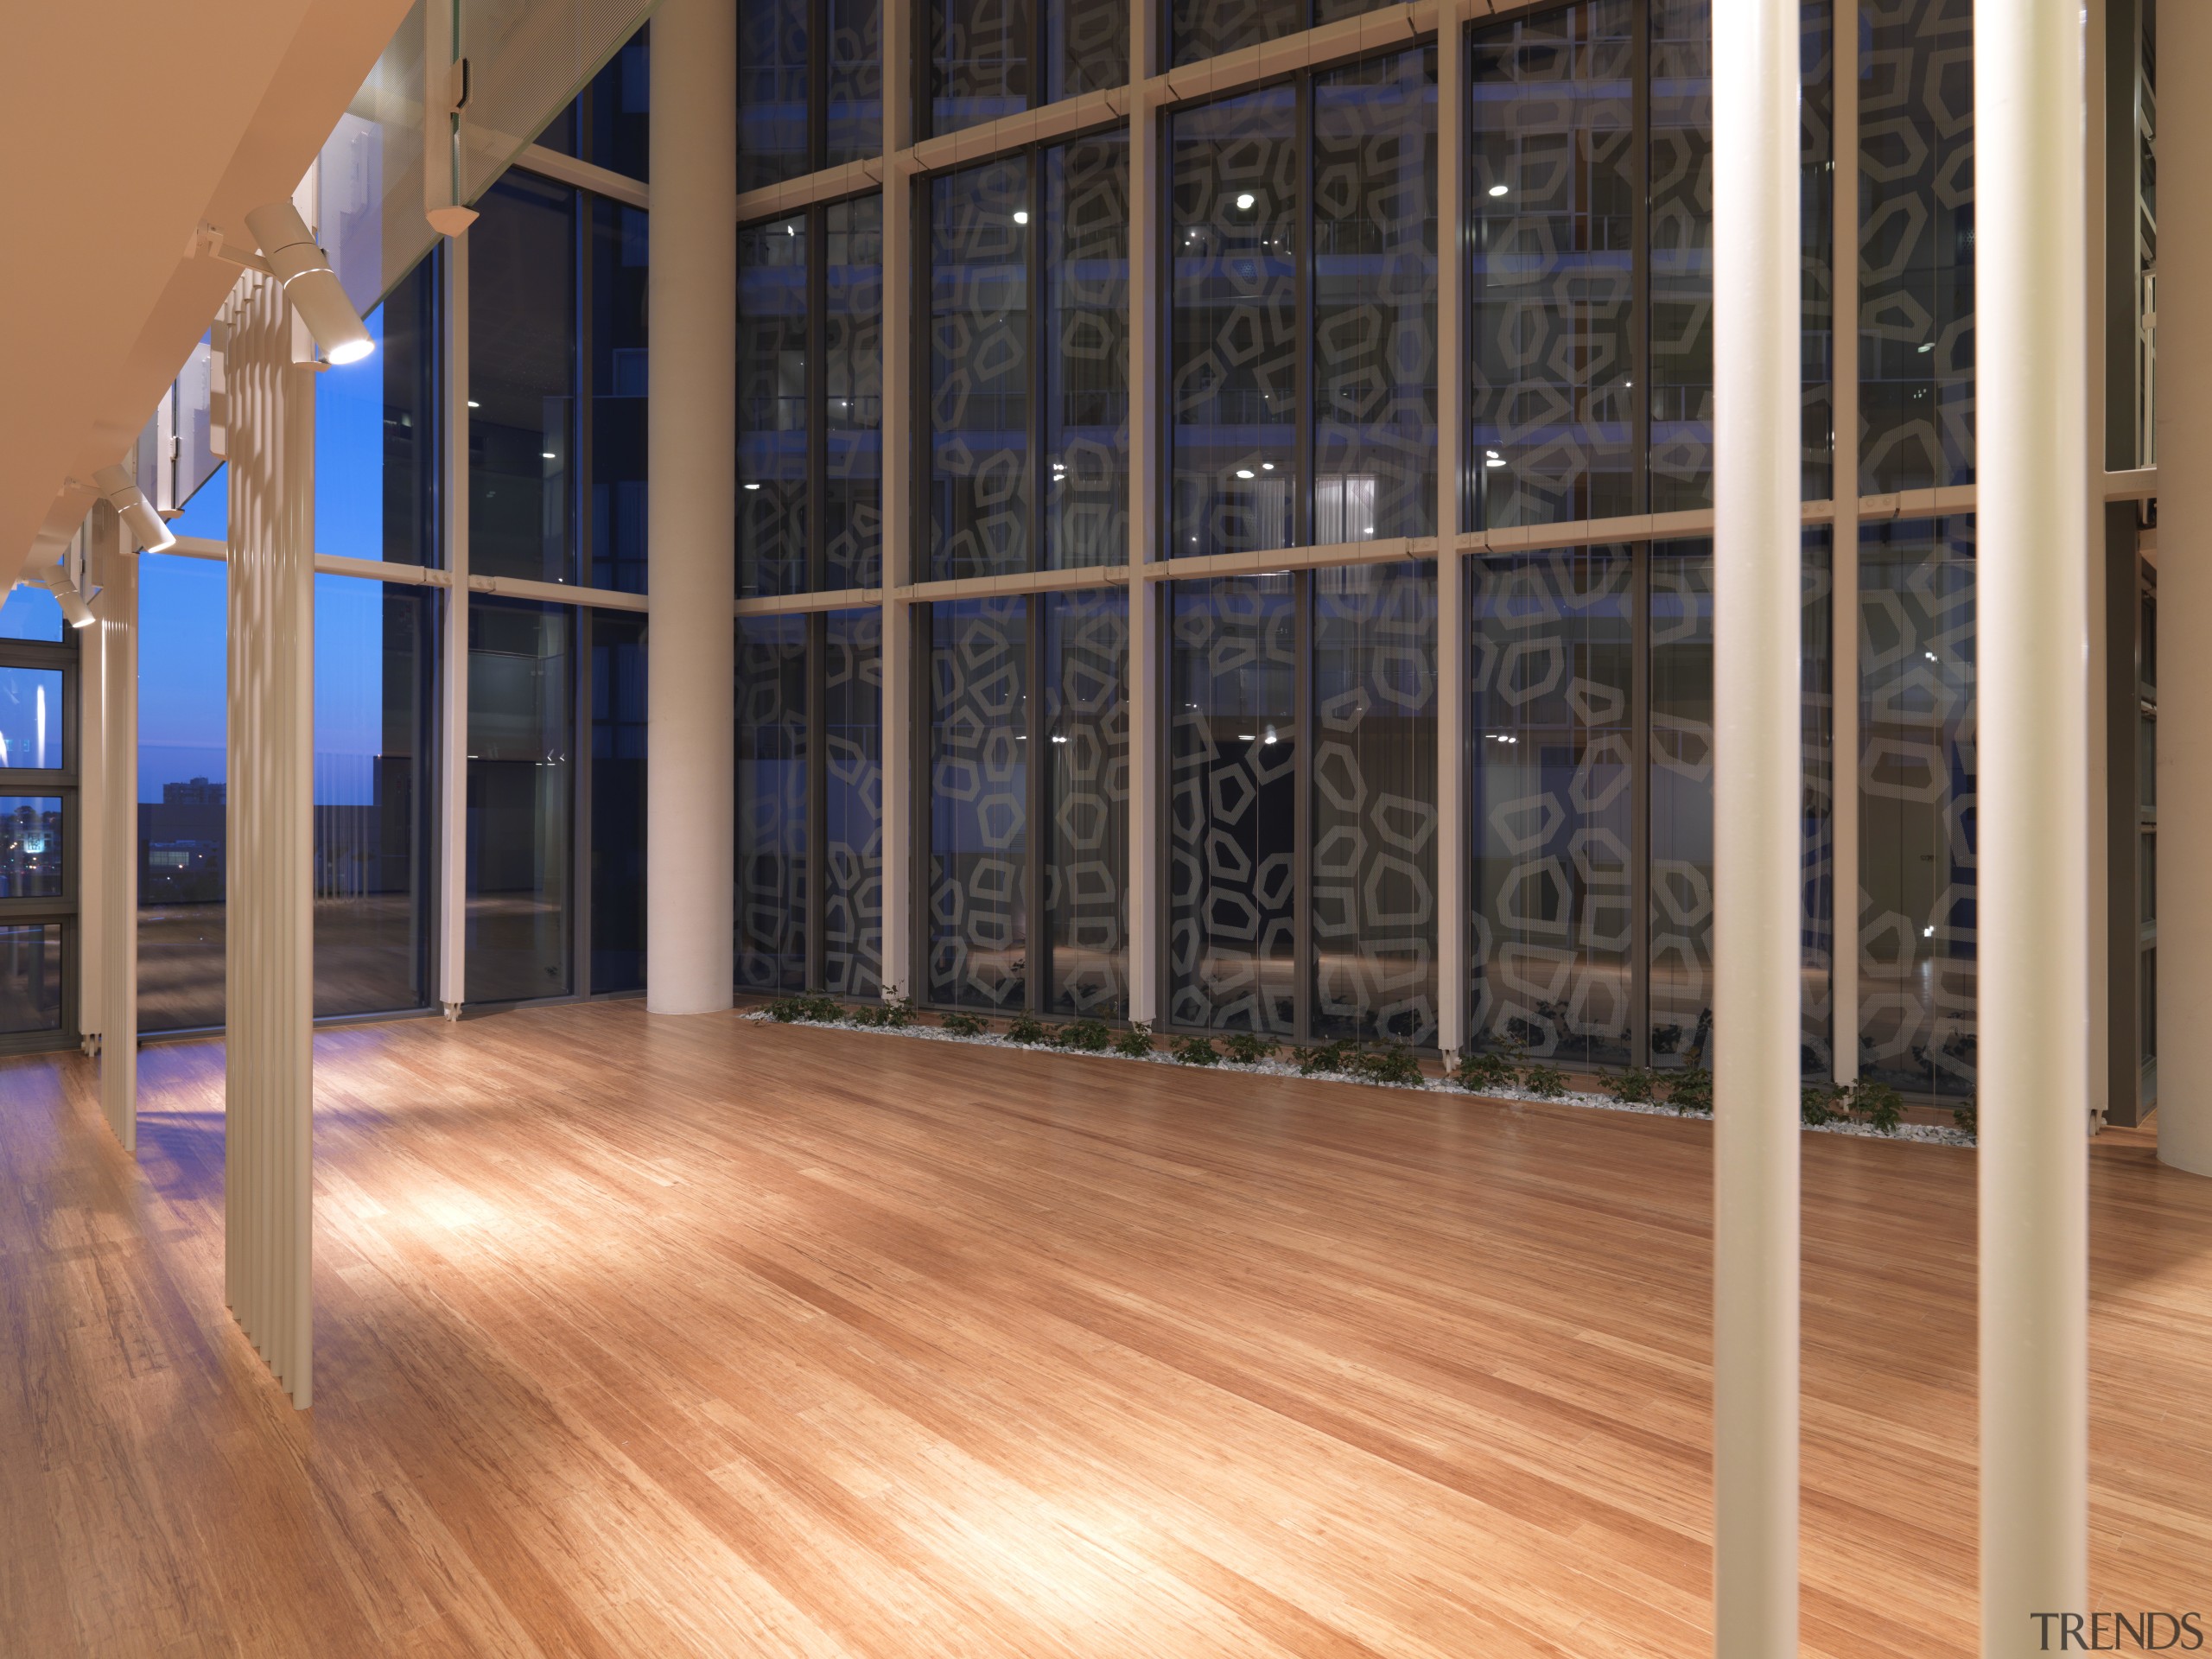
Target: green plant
(1632,1087)
(1327,1057)
(898,1012)
(1088,1036)
(1880,1105)
(1818,1104)
(1195,1051)
(1967,1117)
(1387,1063)
(1247,1047)
(1544,1082)
(1691,1090)
(1136,1043)
(1492,1071)
(965,1025)
(1027,1028)
(785,1009)
(868,1013)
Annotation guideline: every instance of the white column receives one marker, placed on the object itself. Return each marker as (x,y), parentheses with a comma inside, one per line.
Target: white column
(453,712)
(1147,682)
(2184,432)
(692,451)
(1451,620)
(1843,560)
(1756,748)
(902,977)
(114,875)
(2031,716)
(268,976)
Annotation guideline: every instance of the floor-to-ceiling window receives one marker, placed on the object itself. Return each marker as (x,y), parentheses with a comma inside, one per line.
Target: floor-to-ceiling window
(183,760)
(39,877)
(993,58)
(522,719)
(809,86)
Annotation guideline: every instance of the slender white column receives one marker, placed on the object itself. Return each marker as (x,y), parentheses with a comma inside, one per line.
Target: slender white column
(1147,680)
(1756,753)
(901,976)
(268,977)
(1843,562)
(1451,620)
(453,715)
(2096,793)
(114,876)
(691,484)
(2184,432)
(2031,714)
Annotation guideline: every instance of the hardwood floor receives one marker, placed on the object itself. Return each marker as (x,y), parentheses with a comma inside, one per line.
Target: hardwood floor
(707,1337)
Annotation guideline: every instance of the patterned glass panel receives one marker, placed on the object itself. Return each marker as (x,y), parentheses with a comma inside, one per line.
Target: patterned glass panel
(1232,943)
(1551,224)
(1554,768)
(979,66)
(979,803)
(1374,877)
(1681,255)
(522,381)
(771,761)
(1235,345)
(856,118)
(1087,45)
(772,75)
(1816,208)
(1375,299)
(771,531)
(1206,29)
(1916,780)
(852,375)
(1916,260)
(1086,426)
(1087,729)
(979,371)
(1815,1000)
(1681,781)
(852,849)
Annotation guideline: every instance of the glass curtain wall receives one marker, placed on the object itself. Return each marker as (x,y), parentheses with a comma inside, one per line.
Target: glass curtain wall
(986,55)
(1206,29)
(1917,782)
(810,462)
(809,86)
(610,123)
(1028,353)
(810,774)
(617,801)
(39,859)
(1302,385)
(183,757)
(615,395)
(1021,920)
(521,717)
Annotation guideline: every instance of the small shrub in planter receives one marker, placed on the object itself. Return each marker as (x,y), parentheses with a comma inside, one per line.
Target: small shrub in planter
(1545,1081)
(1136,1043)
(1390,1063)
(1633,1087)
(1087,1036)
(1195,1051)
(785,1009)
(1691,1092)
(1967,1117)
(1328,1057)
(899,1013)
(869,1014)
(1818,1104)
(965,1025)
(1490,1073)
(1881,1106)
(827,1010)
(1247,1047)
(1027,1028)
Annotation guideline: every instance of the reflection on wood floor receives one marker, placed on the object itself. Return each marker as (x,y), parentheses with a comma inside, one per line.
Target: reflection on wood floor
(709,1337)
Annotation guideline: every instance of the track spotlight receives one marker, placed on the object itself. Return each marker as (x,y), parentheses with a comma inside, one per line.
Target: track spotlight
(309,282)
(141,522)
(78,614)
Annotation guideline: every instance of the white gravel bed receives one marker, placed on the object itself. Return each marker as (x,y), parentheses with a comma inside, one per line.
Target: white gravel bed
(1927,1134)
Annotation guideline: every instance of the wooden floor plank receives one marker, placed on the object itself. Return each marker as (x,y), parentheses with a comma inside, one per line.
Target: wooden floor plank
(708,1337)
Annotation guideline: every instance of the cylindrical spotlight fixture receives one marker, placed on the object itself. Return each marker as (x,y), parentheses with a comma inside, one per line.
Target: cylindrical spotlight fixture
(309,282)
(78,614)
(143,524)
